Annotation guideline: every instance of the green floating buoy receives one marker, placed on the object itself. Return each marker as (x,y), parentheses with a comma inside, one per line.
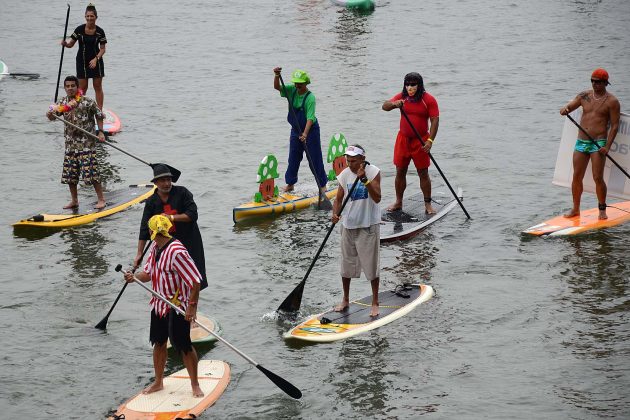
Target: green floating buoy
(355,4)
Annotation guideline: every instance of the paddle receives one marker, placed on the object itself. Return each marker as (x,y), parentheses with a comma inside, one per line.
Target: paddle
(294,300)
(174,171)
(597,145)
(404,114)
(282,383)
(323,202)
(29,75)
(63,47)
(103,324)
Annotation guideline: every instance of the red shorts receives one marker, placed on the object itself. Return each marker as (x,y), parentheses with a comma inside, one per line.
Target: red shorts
(407,148)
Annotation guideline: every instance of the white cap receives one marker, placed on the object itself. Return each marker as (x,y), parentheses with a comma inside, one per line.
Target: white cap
(354,151)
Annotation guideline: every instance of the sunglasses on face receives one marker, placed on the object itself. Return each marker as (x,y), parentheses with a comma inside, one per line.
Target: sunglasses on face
(411,84)
(597,81)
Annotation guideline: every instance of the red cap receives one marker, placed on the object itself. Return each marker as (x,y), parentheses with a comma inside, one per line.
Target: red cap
(600,73)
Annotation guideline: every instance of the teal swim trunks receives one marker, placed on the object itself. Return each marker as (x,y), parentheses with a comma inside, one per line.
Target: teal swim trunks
(587,146)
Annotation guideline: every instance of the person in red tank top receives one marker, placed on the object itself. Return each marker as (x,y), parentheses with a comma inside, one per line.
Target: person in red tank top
(423,112)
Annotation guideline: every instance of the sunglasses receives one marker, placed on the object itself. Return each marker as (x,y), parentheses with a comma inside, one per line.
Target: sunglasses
(411,84)
(596,81)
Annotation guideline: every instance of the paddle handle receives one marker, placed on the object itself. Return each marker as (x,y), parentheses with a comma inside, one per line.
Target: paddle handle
(96,137)
(404,114)
(63,48)
(597,145)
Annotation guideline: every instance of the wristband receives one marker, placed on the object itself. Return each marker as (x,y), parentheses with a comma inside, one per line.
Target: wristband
(172,217)
(430,140)
(192,303)
(364,180)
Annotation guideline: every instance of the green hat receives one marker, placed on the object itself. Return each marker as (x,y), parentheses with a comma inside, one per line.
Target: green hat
(300,76)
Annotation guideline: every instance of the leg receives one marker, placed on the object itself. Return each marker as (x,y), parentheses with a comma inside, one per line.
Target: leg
(83,85)
(580,162)
(345,301)
(99,193)
(191,362)
(296,152)
(74,197)
(598,162)
(425,186)
(374,311)
(314,146)
(97,84)
(159,363)
(400,184)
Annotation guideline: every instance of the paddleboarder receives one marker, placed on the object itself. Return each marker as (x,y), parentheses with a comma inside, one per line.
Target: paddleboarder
(172,274)
(360,224)
(600,119)
(92,47)
(177,204)
(304,129)
(422,109)
(80,149)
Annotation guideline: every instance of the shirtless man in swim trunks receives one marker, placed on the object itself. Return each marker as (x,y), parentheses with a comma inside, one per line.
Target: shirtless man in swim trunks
(599,110)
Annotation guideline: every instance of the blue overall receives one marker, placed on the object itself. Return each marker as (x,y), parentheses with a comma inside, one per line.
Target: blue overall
(296,147)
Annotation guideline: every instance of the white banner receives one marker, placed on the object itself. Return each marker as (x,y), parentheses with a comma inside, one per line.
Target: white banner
(618,184)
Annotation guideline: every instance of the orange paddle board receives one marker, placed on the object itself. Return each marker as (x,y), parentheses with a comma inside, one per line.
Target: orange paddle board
(176,399)
(587,220)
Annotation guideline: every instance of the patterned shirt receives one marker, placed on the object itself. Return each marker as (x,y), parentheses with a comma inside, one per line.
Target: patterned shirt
(83,116)
(174,271)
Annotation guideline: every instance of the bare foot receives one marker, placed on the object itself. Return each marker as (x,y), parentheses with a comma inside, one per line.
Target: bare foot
(395,207)
(197,392)
(71,205)
(287,188)
(428,208)
(572,213)
(602,215)
(374,311)
(342,307)
(100,205)
(154,388)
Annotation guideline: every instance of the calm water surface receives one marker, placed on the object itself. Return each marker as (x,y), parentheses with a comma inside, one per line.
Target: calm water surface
(518,328)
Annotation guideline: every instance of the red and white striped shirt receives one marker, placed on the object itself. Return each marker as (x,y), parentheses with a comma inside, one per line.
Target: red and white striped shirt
(174,271)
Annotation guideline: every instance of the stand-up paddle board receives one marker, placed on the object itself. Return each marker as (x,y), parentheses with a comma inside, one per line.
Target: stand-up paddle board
(200,336)
(111,123)
(283,203)
(587,220)
(412,219)
(332,326)
(4,69)
(176,401)
(117,201)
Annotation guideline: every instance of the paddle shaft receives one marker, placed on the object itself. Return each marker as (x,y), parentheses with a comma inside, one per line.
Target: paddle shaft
(308,155)
(63,48)
(96,137)
(286,386)
(103,324)
(404,114)
(597,145)
(296,295)
(32,75)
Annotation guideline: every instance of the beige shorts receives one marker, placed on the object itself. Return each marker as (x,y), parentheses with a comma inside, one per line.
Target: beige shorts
(360,252)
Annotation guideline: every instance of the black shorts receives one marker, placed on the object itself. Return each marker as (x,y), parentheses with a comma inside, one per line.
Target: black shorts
(172,326)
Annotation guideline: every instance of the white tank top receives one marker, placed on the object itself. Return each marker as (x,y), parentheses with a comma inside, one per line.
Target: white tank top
(361,211)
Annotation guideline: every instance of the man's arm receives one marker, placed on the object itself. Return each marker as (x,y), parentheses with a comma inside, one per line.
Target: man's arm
(337,204)
(573,104)
(614,115)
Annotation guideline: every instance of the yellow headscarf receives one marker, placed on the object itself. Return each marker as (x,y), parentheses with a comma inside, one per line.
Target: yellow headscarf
(159,224)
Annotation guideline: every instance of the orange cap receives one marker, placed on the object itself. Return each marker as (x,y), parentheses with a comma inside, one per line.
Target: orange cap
(600,73)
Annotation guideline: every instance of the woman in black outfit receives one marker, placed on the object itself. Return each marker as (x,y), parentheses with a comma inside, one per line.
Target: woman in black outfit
(90,64)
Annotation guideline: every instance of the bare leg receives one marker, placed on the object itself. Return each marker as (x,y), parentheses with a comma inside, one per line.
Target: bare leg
(374,310)
(74,197)
(159,362)
(97,84)
(99,193)
(345,301)
(400,184)
(425,186)
(580,162)
(83,85)
(191,361)
(598,162)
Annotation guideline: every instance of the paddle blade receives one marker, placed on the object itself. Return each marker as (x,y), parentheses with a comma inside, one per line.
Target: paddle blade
(294,300)
(103,324)
(324,203)
(282,383)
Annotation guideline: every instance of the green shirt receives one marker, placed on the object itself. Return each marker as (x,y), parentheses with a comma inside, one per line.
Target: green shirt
(297,102)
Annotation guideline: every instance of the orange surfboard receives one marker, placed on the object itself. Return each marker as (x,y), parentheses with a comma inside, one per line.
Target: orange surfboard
(176,399)
(587,220)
